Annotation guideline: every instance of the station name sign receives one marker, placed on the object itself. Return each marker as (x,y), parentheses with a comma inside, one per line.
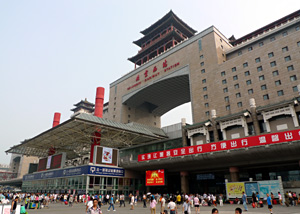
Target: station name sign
(148,74)
(259,140)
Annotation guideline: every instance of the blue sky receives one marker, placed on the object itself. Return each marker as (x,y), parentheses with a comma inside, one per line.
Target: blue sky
(53,53)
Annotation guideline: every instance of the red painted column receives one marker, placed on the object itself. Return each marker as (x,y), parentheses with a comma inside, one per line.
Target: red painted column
(98,112)
(56,119)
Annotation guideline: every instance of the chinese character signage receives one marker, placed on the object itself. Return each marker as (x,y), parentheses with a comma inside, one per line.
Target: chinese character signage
(279,137)
(155,177)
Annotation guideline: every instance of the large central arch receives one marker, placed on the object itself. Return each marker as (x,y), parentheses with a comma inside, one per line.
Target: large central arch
(162,95)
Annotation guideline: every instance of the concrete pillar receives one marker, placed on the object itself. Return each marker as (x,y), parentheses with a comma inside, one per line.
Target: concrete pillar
(234,174)
(184,137)
(184,178)
(254,116)
(214,125)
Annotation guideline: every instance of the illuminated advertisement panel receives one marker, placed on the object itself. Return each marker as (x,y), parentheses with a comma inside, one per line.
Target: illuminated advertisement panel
(42,164)
(155,177)
(56,161)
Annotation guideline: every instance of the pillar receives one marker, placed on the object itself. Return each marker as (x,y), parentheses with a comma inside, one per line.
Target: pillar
(184,180)
(254,116)
(184,137)
(164,47)
(214,125)
(234,174)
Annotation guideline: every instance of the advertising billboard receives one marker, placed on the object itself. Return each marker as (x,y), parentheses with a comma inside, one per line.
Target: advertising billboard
(42,164)
(235,189)
(268,187)
(107,156)
(251,188)
(155,177)
(52,162)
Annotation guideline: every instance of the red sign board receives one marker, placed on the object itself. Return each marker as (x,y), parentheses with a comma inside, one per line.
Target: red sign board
(259,140)
(155,177)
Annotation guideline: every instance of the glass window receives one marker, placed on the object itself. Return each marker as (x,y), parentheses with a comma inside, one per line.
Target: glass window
(223,73)
(247,73)
(204,81)
(225,90)
(206,105)
(298,44)
(224,81)
(248,82)
(272,39)
(285,33)
(259,68)
(250,91)
(277,82)
(239,53)
(250,48)
(280,93)
(285,49)
(295,89)
(236,86)
(263,87)
(239,104)
(227,107)
(260,44)
(270,54)
(205,96)
(290,68)
(275,73)
(297,28)
(245,64)
(273,63)
(204,88)
(238,95)
(233,69)
(226,99)
(266,97)
(257,60)
(262,77)
(235,77)
(287,58)
(207,113)
(293,78)
(202,71)
(202,63)
(201,56)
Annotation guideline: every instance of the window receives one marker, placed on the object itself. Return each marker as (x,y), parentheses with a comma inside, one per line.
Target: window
(236,86)
(272,39)
(234,68)
(227,107)
(206,105)
(285,49)
(257,60)
(226,99)
(221,40)
(128,115)
(263,87)
(277,82)
(295,89)
(239,104)
(270,54)
(207,113)
(202,63)
(239,53)
(202,71)
(250,91)
(235,77)
(273,63)
(204,88)
(225,90)
(285,33)
(250,48)
(245,64)
(238,95)
(262,77)
(222,46)
(280,93)
(224,81)
(248,82)
(266,97)
(201,56)
(223,73)
(204,81)
(205,96)
(287,58)
(293,78)
(297,28)
(275,73)
(290,68)
(259,69)
(260,44)
(298,44)
(247,73)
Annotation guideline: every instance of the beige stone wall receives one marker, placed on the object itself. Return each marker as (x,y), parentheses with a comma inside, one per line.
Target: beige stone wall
(233,131)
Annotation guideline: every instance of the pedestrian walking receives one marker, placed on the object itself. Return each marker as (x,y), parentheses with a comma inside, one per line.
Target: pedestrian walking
(244,199)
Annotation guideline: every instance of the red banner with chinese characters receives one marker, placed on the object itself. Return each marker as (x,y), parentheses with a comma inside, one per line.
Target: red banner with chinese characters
(155,177)
(259,140)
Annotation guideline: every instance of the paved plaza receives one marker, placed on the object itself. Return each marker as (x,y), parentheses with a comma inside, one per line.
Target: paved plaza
(226,209)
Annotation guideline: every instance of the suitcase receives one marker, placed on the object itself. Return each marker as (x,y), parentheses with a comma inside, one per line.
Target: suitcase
(66,203)
(253,205)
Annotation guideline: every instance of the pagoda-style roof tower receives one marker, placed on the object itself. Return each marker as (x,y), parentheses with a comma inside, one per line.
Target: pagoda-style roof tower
(163,34)
(83,106)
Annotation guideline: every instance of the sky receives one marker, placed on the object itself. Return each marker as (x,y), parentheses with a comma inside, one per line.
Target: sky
(54,53)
